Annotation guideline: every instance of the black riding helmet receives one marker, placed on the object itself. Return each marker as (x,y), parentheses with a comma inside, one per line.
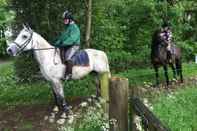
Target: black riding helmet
(67,15)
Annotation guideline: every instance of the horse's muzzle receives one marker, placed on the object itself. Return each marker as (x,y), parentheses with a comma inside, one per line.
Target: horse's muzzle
(9,51)
(12,50)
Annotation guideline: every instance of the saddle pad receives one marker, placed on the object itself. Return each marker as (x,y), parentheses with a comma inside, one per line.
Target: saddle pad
(81,58)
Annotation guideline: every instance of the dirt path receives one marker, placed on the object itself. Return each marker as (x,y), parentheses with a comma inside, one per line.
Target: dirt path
(29,117)
(25,118)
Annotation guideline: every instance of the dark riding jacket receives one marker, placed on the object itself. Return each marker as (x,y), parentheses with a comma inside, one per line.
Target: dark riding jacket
(69,37)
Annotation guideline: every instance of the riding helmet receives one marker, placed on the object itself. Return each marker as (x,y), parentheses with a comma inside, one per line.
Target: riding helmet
(67,15)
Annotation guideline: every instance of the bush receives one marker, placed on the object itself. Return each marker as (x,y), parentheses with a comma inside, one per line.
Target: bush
(121,61)
(25,67)
(3,47)
(189,49)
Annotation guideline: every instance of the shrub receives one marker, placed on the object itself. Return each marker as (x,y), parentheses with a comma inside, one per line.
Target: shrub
(25,67)
(121,61)
(3,48)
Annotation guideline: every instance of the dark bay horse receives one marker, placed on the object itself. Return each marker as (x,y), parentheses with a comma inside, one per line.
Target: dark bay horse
(159,57)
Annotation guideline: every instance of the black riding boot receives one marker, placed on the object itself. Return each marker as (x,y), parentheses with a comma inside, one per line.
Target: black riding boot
(69,66)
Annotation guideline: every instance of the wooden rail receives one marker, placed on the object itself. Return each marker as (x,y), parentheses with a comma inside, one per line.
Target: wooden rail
(149,120)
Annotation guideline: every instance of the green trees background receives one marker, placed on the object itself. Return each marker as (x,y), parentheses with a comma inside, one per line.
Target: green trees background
(6,17)
(122,28)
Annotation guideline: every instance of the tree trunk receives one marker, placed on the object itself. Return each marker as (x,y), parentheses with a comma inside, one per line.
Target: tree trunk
(88,23)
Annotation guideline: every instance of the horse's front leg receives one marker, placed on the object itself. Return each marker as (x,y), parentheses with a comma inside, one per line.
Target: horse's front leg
(166,74)
(60,100)
(55,108)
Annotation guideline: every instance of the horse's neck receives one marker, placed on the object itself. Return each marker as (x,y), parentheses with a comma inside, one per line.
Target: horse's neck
(43,56)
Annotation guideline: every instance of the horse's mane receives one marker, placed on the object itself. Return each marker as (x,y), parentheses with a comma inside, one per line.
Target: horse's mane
(156,38)
(45,43)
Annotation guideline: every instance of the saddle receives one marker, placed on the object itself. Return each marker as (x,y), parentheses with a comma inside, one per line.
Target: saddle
(80,58)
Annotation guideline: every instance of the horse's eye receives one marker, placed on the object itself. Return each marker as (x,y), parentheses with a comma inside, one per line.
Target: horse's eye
(24,36)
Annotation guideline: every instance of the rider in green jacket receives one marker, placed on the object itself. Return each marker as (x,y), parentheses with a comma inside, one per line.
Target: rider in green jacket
(68,41)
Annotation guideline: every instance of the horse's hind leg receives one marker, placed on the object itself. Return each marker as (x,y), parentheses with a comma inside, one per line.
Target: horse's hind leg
(174,70)
(157,75)
(166,74)
(179,69)
(98,86)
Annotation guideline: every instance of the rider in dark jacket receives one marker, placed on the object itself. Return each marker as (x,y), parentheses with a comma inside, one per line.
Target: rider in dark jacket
(68,41)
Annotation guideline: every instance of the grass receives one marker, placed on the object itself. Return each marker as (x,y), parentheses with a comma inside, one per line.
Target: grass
(140,76)
(178,110)
(14,93)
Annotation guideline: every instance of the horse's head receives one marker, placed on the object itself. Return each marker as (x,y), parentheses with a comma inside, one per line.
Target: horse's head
(23,42)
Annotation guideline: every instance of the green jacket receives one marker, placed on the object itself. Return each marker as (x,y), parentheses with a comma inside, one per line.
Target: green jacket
(70,36)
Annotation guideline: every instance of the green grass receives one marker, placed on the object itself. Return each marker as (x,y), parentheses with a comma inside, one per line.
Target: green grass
(178,110)
(139,76)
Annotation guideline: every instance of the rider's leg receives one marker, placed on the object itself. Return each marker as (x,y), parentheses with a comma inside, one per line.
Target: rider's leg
(69,64)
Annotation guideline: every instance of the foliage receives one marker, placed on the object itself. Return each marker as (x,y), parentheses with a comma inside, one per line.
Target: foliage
(91,121)
(26,68)
(178,110)
(6,17)
(122,28)
(123,60)
(3,46)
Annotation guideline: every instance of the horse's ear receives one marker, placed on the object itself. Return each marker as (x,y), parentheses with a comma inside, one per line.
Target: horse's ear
(24,26)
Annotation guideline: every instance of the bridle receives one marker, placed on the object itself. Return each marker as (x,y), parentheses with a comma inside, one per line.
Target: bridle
(22,47)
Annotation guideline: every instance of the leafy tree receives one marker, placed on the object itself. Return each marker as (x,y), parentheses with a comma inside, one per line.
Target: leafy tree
(6,17)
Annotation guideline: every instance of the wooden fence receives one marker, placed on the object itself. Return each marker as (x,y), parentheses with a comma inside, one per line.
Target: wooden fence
(120,107)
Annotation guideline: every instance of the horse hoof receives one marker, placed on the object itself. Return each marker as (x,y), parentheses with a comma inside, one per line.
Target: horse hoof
(61,121)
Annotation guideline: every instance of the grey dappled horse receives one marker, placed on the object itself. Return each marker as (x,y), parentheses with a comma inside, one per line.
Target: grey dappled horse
(50,62)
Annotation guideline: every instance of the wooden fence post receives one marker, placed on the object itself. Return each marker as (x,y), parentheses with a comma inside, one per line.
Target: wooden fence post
(118,104)
(104,84)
